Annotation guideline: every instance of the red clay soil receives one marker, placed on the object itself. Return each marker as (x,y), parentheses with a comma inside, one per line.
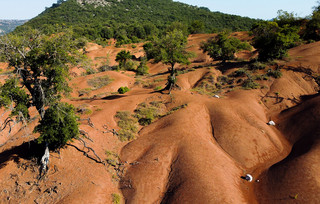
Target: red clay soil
(196,154)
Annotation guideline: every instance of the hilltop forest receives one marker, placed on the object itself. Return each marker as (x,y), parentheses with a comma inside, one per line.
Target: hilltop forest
(130,21)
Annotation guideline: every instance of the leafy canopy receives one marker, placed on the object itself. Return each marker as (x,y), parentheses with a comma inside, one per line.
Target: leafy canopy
(58,126)
(122,57)
(273,41)
(223,47)
(171,49)
(40,71)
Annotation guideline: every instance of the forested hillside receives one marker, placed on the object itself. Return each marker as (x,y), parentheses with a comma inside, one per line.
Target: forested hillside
(133,19)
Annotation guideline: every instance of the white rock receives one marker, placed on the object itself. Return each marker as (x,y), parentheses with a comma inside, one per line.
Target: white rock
(249,177)
(216,96)
(272,123)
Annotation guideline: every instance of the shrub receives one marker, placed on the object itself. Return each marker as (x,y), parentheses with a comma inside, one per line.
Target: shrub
(239,73)
(123,90)
(131,65)
(274,73)
(63,126)
(257,66)
(142,69)
(250,84)
(146,114)
(116,198)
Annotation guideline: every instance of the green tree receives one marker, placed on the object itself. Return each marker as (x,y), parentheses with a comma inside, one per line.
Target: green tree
(170,50)
(273,41)
(39,79)
(196,27)
(122,57)
(223,47)
(312,31)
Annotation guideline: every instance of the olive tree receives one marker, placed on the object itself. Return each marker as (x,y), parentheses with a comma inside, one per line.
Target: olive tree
(40,66)
(171,49)
(273,41)
(223,47)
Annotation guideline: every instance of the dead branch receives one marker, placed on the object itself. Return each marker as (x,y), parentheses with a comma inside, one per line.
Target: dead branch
(113,131)
(97,159)
(85,135)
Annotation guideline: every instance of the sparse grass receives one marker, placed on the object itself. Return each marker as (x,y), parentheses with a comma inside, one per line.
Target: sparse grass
(84,109)
(128,125)
(242,72)
(176,109)
(112,158)
(85,91)
(250,84)
(99,82)
(184,71)
(157,88)
(116,198)
(147,113)
(257,66)
(274,73)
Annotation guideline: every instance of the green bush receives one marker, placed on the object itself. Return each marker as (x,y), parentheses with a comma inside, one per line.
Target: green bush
(116,198)
(123,90)
(142,69)
(274,73)
(63,126)
(146,114)
(250,84)
(257,66)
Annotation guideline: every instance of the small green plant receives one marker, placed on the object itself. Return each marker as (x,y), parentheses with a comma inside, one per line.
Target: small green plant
(99,82)
(85,91)
(142,69)
(250,84)
(257,66)
(112,158)
(158,88)
(116,198)
(128,125)
(123,89)
(295,197)
(239,73)
(84,109)
(89,71)
(147,113)
(274,73)
(176,109)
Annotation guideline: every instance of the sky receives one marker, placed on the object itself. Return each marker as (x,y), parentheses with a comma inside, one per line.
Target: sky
(262,9)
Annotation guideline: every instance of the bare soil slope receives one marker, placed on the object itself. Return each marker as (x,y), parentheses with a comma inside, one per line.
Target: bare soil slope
(195,152)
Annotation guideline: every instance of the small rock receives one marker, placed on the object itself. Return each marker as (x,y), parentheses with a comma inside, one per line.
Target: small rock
(249,177)
(272,123)
(216,96)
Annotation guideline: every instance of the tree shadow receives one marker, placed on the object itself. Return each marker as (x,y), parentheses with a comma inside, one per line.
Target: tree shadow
(225,66)
(27,151)
(113,97)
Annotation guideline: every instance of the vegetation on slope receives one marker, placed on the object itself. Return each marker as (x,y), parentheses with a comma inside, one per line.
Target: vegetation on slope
(128,20)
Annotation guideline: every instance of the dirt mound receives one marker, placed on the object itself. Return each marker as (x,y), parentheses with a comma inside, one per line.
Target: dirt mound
(306,56)
(296,177)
